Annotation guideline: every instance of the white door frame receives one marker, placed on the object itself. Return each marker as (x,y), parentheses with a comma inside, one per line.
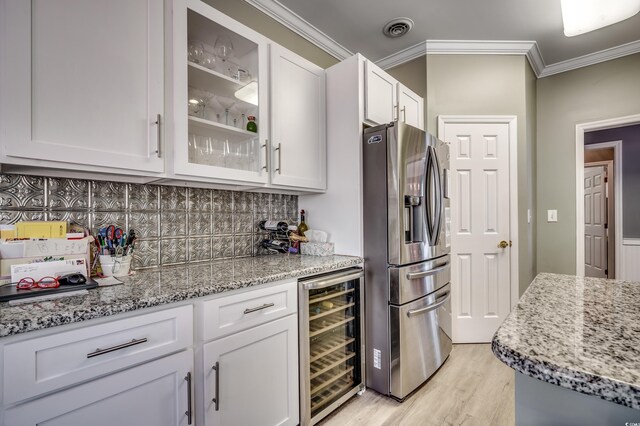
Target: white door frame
(512,122)
(581,128)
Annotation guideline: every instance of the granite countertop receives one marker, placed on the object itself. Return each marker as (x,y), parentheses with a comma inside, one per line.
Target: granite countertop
(579,333)
(164,285)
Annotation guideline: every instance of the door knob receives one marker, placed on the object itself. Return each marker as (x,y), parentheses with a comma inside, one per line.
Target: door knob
(503,244)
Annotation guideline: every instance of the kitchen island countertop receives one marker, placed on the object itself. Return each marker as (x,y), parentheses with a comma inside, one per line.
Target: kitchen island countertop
(582,334)
(159,286)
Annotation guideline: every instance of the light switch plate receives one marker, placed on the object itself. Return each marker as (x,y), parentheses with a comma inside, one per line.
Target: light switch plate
(552,215)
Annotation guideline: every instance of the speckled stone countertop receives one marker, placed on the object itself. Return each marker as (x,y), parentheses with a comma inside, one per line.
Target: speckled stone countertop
(579,333)
(164,285)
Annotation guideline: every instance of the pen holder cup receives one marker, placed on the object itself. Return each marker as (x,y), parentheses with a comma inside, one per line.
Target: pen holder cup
(113,266)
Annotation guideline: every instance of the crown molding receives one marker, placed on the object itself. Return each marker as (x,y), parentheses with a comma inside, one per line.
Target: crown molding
(467,47)
(592,59)
(298,25)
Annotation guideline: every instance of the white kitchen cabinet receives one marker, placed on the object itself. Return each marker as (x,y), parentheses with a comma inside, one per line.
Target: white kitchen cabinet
(152,394)
(380,96)
(387,100)
(251,377)
(215,93)
(82,84)
(411,107)
(298,121)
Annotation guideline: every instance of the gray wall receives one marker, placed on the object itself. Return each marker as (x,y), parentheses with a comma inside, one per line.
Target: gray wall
(630,137)
(251,17)
(606,90)
(492,85)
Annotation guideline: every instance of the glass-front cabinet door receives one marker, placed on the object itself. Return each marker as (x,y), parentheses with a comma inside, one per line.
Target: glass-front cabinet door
(220,96)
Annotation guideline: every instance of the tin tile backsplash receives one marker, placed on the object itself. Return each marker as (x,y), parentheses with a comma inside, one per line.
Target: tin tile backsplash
(174,224)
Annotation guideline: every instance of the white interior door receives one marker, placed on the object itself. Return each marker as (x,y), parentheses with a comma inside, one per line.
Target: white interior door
(595,219)
(480,221)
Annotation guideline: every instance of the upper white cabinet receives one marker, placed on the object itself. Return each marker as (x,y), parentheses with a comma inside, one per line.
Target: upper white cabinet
(380,95)
(220,80)
(387,100)
(411,107)
(82,84)
(298,121)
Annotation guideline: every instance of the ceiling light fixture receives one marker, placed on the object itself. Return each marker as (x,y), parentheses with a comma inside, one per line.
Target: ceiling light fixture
(582,16)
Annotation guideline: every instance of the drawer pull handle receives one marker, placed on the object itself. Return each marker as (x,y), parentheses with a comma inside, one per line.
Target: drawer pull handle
(422,274)
(116,347)
(216,400)
(188,413)
(259,308)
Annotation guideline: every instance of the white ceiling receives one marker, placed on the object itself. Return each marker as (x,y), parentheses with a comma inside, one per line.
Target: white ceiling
(357,25)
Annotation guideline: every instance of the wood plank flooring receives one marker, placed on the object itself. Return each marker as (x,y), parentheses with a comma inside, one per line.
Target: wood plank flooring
(471,388)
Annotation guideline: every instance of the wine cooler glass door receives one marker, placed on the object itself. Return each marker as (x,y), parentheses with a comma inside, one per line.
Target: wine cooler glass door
(331,341)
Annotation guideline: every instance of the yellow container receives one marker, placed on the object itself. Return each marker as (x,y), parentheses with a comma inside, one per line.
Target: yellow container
(41,229)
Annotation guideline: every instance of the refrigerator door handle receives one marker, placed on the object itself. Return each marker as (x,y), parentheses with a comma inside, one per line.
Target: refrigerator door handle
(437,185)
(422,274)
(439,302)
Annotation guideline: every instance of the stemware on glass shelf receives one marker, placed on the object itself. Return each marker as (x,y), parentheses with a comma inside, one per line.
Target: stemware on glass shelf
(226,103)
(195,51)
(223,47)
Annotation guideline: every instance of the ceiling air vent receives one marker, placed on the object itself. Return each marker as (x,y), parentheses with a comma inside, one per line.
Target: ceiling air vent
(397,27)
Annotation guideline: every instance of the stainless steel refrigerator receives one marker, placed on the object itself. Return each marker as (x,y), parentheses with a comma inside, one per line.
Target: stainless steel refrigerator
(406,249)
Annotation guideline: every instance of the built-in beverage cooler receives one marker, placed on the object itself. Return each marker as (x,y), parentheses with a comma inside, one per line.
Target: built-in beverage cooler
(331,342)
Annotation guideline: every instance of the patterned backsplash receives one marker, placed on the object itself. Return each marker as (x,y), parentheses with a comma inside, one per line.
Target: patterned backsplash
(174,225)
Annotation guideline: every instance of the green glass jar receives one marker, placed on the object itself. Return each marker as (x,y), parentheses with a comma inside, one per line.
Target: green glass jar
(251,125)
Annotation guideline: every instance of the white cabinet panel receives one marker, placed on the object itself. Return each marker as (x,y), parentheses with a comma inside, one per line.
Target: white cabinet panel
(411,107)
(152,394)
(380,95)
(298,121)
(256,377)
(83,83)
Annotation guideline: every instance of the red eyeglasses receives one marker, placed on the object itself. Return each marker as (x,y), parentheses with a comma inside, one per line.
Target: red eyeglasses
(45,282)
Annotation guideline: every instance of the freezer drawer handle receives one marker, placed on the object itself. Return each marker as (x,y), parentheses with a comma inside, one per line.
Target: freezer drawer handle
(259,308)
(418,275)
(116,347)
(439,302)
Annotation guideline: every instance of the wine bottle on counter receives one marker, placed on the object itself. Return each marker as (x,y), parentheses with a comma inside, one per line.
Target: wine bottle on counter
(274,225)
(302,226)
(276,245)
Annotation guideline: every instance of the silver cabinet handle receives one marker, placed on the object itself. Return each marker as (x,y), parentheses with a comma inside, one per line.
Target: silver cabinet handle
(133,342)
(397,114)
(418,275)
(266,154)
(439,302)
(259,308)
(188,413)
(404,114)
(279,149)
(216,400)
(159,139)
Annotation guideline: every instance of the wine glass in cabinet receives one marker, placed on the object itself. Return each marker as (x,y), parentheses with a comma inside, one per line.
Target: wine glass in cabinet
(236,85)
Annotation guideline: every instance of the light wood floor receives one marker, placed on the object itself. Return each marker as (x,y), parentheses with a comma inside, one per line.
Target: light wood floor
(471,388)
